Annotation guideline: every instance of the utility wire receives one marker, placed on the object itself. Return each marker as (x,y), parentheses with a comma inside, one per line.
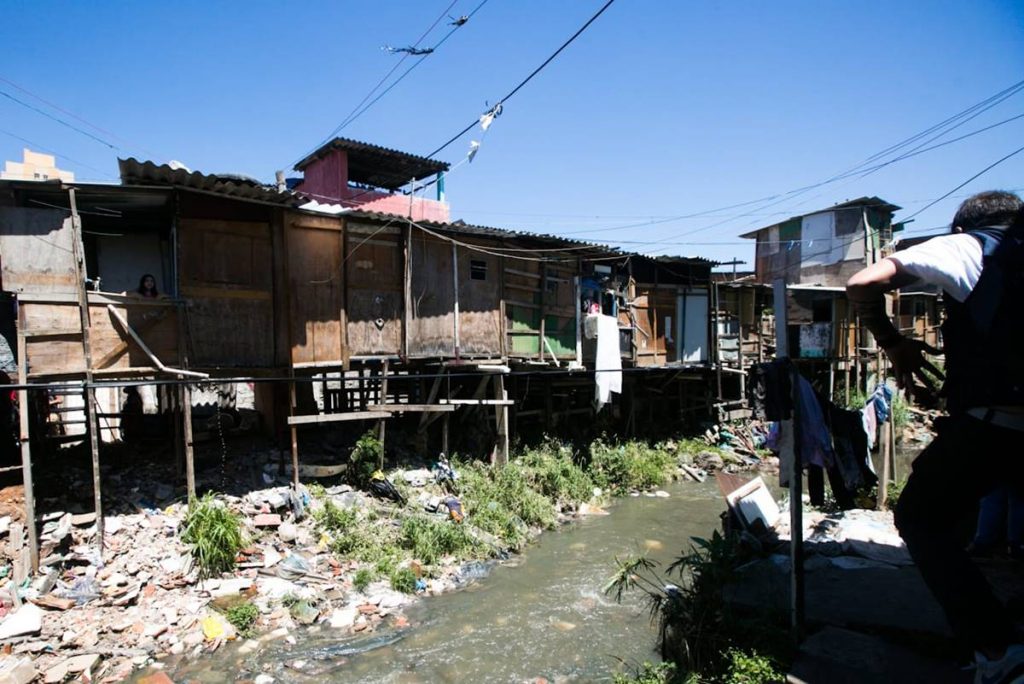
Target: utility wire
(59,120)
(43,148)
(530,77)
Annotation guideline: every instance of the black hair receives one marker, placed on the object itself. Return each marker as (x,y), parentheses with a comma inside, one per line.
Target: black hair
(142,285)
(990,208)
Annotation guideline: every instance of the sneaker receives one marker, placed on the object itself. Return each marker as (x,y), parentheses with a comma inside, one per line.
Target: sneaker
(1007,670)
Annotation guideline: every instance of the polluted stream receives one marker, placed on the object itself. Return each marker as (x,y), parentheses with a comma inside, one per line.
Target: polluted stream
(540,614)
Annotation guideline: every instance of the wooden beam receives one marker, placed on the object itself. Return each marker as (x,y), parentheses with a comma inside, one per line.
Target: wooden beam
(187,438)
(382,426)
(501,416)
(479,402)
(338,417)
(26,457)
(122,346)
(410,408)
(142,345)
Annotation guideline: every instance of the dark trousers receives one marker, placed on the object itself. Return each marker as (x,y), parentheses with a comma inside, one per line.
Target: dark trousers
(967,460)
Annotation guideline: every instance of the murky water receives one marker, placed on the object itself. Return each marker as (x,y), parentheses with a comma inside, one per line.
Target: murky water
(542,615)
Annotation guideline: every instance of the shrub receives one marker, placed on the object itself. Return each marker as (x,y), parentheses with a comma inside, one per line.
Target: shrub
(648,673)
(556,473)
(214,534)
(630,465)
(404,580)
(362,579)
(501,501)
(429,539)
(750,667)
(243,617)
(364,459)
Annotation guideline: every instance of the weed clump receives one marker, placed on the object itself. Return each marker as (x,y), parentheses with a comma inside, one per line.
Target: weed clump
(629,466)
(429,540)
(215,535)
(699,632)
(242,617)
(364,460)
(557,474)
(349,534)
(501,501)
(361,580)
(404,580)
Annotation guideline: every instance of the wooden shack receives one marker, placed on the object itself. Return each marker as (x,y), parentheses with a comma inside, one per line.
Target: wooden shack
(391,317)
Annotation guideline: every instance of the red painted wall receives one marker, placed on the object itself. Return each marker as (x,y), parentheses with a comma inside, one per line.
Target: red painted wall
(326,181)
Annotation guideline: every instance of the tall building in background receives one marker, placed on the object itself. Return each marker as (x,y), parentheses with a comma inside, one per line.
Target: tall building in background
(35,166)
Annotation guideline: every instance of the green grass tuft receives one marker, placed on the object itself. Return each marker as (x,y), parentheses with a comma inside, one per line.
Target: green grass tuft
(404,580)
(362,579)
(243,617)
(215,535)
(429,540)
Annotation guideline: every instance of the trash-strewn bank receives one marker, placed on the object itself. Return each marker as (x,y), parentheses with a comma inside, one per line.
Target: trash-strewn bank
(333,555)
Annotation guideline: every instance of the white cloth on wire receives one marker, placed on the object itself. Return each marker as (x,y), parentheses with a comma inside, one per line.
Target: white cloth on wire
(608,362)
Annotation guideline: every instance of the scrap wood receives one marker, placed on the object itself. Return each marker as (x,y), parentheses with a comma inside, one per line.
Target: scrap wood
(54,602)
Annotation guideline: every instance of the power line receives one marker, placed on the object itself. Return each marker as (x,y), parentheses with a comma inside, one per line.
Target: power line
(43,148)
(980,173)
(349,118)
(73,115)
(59,120)
(530,77)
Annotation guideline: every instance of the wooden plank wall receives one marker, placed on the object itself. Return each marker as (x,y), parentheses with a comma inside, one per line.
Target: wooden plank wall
(226,271)
(316,289)
(37,252)
(54,344)
(523,308)
(374,273)
(559,297)
(432,309)
(480,324)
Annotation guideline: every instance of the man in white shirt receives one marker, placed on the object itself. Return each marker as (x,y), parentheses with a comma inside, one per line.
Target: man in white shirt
(980,267)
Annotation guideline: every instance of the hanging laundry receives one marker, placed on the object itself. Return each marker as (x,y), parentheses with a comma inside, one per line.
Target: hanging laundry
(474,147)
(608,361)
(458,22)
(869,419)
(882,398)
(815,440)
(488,117)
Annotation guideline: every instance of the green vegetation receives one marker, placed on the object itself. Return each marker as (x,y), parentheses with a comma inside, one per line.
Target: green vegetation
(750,667)
(629,466)
(556,472)
(362,579)
(243,617)
(699,633)
(404,580)
(364,459)
(502,501)
(215,535)
(648,673)
(430,539)
(351,536)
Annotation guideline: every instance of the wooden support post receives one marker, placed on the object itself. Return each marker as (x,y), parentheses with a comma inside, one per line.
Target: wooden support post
(26,457)
(185,398)
(444,435)
(92,425)
(790,438)
(455,291)
(883,482)
(501,416)
(382,427)
(292,402)
(892,453)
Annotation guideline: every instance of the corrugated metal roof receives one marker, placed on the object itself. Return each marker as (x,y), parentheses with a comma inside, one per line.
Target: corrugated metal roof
(135,172)
(463,228)
(380,167)
(873,202)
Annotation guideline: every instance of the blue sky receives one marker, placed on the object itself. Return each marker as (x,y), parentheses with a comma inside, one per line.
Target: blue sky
(660,109)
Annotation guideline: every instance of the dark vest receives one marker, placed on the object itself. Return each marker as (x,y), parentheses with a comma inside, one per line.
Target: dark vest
(984,334)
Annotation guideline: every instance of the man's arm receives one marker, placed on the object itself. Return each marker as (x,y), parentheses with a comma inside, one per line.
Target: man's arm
(866,292)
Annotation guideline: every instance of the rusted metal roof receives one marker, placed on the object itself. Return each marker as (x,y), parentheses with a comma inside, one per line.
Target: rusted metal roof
(380,167)
(555,241)
(135,172)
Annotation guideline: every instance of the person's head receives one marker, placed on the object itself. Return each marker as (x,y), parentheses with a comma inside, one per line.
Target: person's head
(147,285)
(991,208)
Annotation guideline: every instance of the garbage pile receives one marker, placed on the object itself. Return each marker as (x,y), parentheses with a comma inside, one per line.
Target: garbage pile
(96,617)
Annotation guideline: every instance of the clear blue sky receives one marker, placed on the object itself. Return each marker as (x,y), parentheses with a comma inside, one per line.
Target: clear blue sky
(660,109)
